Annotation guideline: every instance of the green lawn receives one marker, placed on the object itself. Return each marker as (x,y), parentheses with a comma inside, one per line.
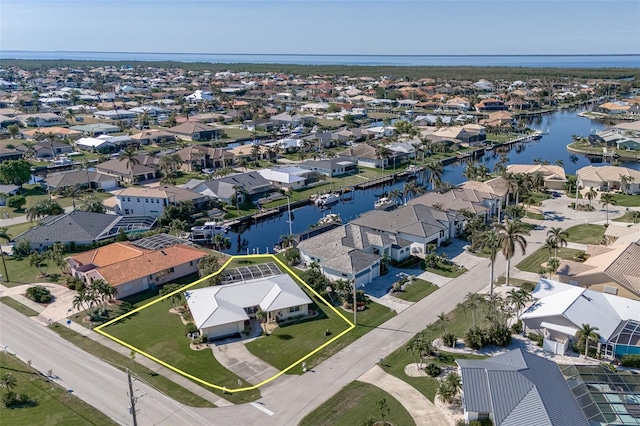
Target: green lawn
(23,309)
(623,218)
(122,362)
(416,290)
(450,270)
(586,234)
(162,335)
(533,262)
(535,216)
(235,133)
(627,200)
(20,272)
(55,406)
(516,282)
(355,403)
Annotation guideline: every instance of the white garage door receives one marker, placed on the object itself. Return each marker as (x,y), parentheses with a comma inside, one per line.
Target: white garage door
(222,330)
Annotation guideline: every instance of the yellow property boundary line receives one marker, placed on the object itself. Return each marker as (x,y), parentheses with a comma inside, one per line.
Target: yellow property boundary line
(100,328)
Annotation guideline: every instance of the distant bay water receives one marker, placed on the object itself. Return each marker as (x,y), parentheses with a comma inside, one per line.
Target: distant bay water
(536,61)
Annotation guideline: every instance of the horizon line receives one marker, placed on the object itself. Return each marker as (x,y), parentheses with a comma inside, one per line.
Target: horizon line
(326,54)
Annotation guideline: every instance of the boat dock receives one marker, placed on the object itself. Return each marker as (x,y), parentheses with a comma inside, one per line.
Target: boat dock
(375,182)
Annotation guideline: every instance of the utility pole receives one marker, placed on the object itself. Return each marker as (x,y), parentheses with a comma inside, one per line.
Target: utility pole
(132,399)
(355,304)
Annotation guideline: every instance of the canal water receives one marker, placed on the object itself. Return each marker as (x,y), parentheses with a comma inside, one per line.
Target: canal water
(561,125)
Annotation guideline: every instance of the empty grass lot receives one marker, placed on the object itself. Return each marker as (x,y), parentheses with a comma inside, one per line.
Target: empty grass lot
(624,200)
(586,234)
(355,403)
(450,270)
(55,406)
(416,290)
(533,262)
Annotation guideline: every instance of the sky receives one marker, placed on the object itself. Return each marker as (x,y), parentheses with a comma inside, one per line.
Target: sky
(367,27)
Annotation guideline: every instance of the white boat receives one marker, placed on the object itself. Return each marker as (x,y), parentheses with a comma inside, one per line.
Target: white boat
(211,227)
(383,203)
(327,199)
(330,218)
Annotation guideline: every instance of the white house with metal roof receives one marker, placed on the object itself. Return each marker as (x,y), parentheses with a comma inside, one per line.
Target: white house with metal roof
(225,310)
(560,310)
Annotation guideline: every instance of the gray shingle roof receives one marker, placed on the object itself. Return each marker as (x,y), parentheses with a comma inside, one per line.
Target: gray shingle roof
(74,177)
(418,220)
(626,267)
(74,226)
(519,388)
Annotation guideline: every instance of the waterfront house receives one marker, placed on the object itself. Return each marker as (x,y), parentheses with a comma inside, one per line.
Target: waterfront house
(243,186)
(490,104)
(96,129)
(79,179)
(133,267)
(226,310)
(147,168)
(289,178)
(198,157)
(196,131)
(43,119)
(153,137)
(144,201)
(553,176)
(329,167)
(47,149)
(608,178)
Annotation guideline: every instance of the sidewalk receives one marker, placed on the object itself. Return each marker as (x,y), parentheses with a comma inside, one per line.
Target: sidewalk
(423,411)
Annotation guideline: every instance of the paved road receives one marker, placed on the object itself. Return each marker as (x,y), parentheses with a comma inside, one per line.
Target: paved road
(91,379)
(104,387)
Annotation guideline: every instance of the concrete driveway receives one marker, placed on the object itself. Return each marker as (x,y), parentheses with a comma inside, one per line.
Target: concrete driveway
(61,307)
(237,358)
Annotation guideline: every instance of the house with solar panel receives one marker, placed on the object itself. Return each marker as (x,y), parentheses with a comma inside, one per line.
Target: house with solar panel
(228,309)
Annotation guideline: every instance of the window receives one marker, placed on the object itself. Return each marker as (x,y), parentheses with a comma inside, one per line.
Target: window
(171,269)
(127,287)
(138,199)
(146,200)
(610,290)
(294,309)
(483,416)
(129,199)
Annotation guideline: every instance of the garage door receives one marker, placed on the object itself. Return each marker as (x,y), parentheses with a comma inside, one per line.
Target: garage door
(223,330)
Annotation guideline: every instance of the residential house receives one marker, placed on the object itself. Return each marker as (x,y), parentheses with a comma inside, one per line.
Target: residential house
(457,104)
(7,191)
(292,120)
(43,119)
(560,310)
(7,121)
(365,155)
(196,131)
(58,132)
(146,168)
(490,104)
(608,178)
(10,154)
(198,157)
(517,388)
(243,186)
(154,137)
(613,108)
(78,228)
(96,129)
(403,152)
(133,267)
(116,114)
(104,143)
(289,178)
(144,201)
(47,149)
(329,167)
(79,178)
(553,176)
(498,119)
(226,310)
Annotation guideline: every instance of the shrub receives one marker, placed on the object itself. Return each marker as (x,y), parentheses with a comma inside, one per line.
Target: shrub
(433,370)
(529,286)
(499,335)
(16,202)
(630,360)
(190,328)
(475,338)
(449,339)
(39,294)
(22,248)
(517,327)
(73,283)
(536,338)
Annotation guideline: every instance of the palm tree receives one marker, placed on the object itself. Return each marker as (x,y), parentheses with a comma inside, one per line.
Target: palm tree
(314,266)
(409,189)
(255,152)
(512,234)
(131,158)
(490,241)
(588,332)
(8,382)
(5,235)
(435,171)
(590,195)
(607,199)
(383,153)
(287,240)
(559,237)
(44,208)
(550,245)
(443,319)
(395,195)
(238,190)
(625,182)
(221,242)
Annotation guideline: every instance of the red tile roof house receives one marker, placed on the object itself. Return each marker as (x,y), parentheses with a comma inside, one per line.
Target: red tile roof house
(132,269)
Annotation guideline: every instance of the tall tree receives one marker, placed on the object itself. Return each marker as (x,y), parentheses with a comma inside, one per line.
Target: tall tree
(383,153)
(512,234)
(559,237)
(130,157)
(435,171)
(625,182)
(488,241)
(587,332)
(590,195)
(44,208)
(607,200)
(17,172)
